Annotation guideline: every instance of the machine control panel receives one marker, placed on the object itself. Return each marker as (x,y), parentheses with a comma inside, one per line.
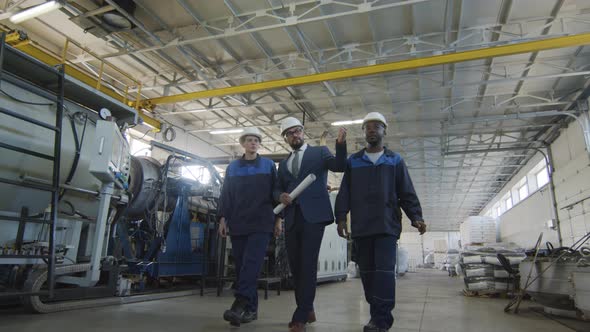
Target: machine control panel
(111,160)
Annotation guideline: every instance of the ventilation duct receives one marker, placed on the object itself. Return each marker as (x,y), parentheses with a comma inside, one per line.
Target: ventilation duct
(117,20)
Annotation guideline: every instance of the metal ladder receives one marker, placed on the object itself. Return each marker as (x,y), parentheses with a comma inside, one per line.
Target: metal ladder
(53,187)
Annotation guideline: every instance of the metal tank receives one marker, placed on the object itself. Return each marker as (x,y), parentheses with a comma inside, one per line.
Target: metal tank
(553,288)
(144,183)
(79,199)
(20,167)
(560,285)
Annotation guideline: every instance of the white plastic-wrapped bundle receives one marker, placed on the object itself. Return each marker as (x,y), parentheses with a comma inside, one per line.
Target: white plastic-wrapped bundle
(478,284)
(480,270)
(471,259)
(353,270)
(500,273)
(429,259)
(493,260)
(516,260)
(403,258)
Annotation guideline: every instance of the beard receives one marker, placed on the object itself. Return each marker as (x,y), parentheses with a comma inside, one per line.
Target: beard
(297,144)
(374,141)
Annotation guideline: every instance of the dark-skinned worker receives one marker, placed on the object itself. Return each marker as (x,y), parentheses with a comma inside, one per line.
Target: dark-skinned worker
(249,192)
(375,185)
(307,215)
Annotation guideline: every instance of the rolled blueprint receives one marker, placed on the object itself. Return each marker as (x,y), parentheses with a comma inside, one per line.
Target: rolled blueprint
(301,187)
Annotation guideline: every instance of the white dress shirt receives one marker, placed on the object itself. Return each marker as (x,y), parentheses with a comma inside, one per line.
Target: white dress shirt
(290,160)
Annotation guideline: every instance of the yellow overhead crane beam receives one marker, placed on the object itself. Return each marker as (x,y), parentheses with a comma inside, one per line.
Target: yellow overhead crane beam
(23,44)
(488,52)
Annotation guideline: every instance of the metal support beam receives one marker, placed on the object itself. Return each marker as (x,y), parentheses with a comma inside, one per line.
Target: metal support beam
(527,47)
(52,60)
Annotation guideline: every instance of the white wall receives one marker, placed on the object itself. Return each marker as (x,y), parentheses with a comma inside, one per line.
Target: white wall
(524,221)
(572,184)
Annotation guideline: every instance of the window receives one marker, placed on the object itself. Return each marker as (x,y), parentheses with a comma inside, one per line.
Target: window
(139,148)
(538,176)
(507,201)
(197,173)
(542,177)
(523,189)
(497,210)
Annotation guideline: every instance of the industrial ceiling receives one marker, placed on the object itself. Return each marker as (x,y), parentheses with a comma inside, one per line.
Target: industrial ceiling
(464,126)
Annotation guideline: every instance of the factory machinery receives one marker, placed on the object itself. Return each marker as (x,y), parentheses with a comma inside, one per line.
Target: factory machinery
(80,217)
(559,279)
(84,223)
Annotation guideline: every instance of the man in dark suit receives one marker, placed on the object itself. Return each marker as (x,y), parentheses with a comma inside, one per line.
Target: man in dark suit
(306,216)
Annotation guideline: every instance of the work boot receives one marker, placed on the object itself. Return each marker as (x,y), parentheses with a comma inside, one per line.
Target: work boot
(235,314)
(372,327)
(249,316)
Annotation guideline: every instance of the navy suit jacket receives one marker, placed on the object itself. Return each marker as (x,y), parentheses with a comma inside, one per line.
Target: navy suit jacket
(314,201)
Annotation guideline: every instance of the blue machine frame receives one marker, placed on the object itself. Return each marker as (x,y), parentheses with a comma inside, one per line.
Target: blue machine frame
(184,249)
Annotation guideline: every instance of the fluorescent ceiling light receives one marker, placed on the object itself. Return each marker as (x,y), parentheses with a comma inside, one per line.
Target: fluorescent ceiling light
(35,11)
(227,131)
(346,123)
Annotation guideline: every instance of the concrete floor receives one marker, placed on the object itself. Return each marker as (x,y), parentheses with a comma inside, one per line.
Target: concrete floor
(428,301)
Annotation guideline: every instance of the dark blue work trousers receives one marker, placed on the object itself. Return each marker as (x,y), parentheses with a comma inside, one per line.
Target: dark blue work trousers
(249,252)
(376,257)
(303,240)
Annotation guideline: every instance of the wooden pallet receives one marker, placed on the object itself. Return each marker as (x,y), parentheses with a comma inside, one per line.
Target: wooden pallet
(487,294)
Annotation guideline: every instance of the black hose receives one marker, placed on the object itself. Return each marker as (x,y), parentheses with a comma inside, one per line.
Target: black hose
(550,246)
(78,144)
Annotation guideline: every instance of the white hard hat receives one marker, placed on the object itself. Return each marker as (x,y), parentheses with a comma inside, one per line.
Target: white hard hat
(289,122)
(250,131)
(375,116)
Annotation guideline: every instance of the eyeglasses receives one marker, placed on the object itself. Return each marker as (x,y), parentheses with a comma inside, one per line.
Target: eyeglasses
(293,132)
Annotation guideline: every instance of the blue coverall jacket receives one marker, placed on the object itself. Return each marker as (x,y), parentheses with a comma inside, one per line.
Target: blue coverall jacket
(249,192)
(374,193)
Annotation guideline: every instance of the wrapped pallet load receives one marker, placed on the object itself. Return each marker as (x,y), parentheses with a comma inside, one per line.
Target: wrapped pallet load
(483,272)
(453,258)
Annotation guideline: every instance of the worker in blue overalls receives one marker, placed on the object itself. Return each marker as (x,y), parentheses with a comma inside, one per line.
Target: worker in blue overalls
(375,185)
(249,191)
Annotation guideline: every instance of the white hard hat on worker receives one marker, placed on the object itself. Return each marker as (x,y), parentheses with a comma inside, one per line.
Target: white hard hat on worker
(250,131)
(289,123)
(375,116)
